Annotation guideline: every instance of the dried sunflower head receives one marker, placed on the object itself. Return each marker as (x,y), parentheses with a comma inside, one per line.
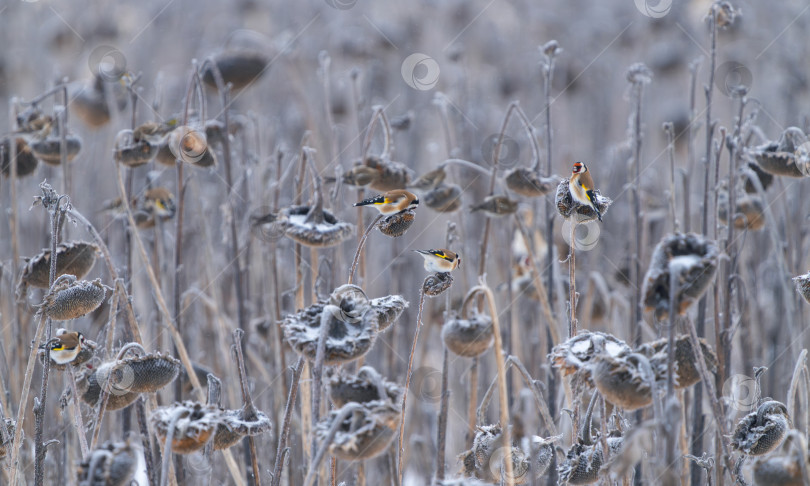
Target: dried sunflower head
(241,67)
(352,331)
(70,299)
(486,459)
(575,355)
(24,160)
(313,227)
(802,283)
(750,212)
(365,386)
(765,179)
(237,424)
(693,258)
(762,431)
(140,374)
(131,152)
(89,387)
(48,149)
(625,381)
(436,283)
(780,157)
(528,183)
(397,224)
(570,208)
(686,370)
(391,175)
(469,337)
(72,258)
(365,433)
(784,468)
(192,425)
(112,464)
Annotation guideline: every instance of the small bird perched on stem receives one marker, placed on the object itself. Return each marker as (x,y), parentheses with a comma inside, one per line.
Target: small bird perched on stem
(582,187)
(392,202)
(440,261)
(66,346)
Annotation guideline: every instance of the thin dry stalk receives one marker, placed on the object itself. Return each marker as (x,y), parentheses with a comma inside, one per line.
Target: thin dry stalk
(671,462)
(724,345)
(670,132)
(23,407)
(717,410)
(53,204)
(105,252)
(282,450)
(77,413)
(710,126)
(317,369)
(400,447)
(441,432)
(538,282)
(164,309)
(499,361)
(514,107)
(542,406)
(473,399)
(104,390)
(572,282)
(638,90)
(552,332)
(224,91)
(362,244)
(344,413)
(167,450)
(378,116)
(496,160)
(794,383)
(279,351)
(247,402)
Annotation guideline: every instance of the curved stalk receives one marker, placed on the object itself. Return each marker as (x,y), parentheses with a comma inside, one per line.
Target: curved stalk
(361,244)
(527,125)
(379,114)
(499,361)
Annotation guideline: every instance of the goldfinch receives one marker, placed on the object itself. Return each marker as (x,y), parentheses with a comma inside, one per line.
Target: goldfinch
(154,202)
(582,187)
(496,206)
(66,346)
(440,261)
(429,180)
(392,202)
(160,202)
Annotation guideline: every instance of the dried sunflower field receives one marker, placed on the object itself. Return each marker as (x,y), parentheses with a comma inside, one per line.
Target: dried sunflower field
(341,242)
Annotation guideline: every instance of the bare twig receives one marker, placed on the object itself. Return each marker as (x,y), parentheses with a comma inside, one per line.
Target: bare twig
(285,426)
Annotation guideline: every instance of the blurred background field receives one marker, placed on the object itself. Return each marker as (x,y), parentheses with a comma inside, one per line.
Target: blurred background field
(329,64)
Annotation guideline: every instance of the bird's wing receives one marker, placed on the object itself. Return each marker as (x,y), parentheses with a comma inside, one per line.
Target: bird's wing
(381,199)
